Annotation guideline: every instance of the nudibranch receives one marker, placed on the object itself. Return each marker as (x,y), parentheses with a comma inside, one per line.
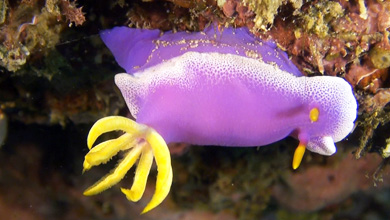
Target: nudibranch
(214,87)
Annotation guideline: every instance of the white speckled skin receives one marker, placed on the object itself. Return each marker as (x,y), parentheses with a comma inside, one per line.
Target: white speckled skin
(231,100)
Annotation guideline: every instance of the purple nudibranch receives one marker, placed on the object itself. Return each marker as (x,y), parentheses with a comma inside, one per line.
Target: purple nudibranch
(214,87)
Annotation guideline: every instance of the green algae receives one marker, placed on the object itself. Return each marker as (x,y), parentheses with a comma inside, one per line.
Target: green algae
(380,57)
(319,16)
(32,29)
(3,10)
(266,10)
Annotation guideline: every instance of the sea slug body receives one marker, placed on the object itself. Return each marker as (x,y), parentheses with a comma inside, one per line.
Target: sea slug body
(224,88)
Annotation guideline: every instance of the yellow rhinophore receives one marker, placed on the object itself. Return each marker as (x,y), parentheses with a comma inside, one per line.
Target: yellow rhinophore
(140,141)
(300,151)
(298,155)
(314,114)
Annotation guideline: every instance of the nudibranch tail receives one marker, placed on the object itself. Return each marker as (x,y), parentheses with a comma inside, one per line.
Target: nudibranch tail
(141,142)
(298,155)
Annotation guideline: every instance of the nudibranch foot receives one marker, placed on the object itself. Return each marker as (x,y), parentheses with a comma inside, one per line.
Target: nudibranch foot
(141,142)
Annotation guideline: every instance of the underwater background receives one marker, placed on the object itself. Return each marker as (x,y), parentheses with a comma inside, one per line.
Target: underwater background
(56,80)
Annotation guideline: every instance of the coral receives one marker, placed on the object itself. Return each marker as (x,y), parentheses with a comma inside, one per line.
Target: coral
(320,15)
(266,10)
(68,9)
(386,150)
(238,13)
(72,13)
(380,53)
(41,81)
(172,15)
(373,113)
(3,10)
(329,36)
(13,58)
(24,38)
